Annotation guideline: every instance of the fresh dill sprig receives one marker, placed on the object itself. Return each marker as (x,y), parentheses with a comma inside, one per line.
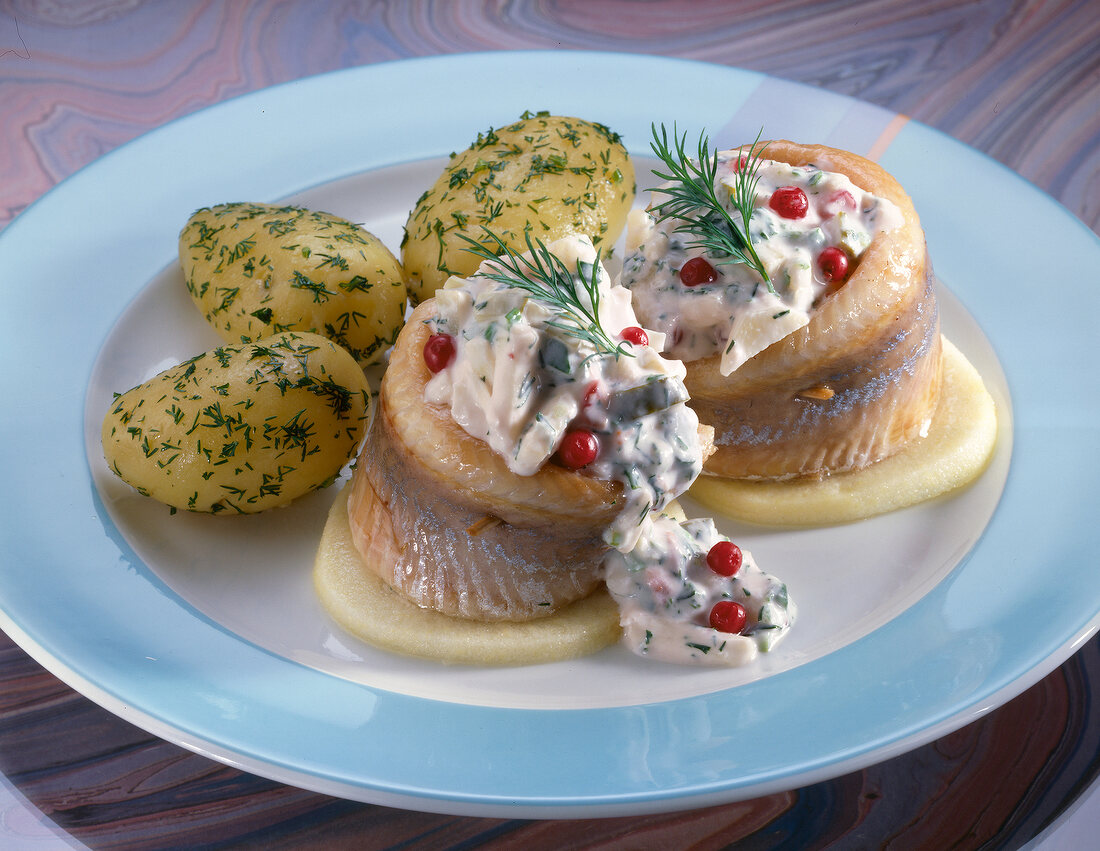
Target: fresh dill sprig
(693,200)
(545,277)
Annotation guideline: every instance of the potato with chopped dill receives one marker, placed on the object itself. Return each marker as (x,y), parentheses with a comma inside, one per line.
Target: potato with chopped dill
(545,175)
(259,269)
(240,429)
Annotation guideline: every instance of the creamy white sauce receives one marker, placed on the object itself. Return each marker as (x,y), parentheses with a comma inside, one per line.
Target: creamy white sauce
(739,314)
(518,382)
(666,590)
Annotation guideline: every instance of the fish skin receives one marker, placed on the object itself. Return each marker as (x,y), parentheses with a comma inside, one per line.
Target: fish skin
(875,343)
(421,483)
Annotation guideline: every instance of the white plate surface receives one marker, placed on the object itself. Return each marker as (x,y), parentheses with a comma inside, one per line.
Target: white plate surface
(205,630)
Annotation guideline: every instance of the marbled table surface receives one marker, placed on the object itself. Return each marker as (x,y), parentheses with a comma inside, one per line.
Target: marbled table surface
(1019,81)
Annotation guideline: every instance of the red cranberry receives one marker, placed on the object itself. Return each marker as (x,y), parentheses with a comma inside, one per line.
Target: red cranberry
(439,351)
(728,616)
(833,263)
(579,448)
(697,271)
(790,202)
(635,335)
(724,558)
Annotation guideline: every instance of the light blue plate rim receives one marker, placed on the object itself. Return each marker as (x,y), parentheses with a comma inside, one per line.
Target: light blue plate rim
(78,600)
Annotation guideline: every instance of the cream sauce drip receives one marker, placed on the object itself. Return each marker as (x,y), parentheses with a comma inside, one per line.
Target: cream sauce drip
(665,591)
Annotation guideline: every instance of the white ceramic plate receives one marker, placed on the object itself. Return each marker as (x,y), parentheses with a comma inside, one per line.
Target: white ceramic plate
(205,630)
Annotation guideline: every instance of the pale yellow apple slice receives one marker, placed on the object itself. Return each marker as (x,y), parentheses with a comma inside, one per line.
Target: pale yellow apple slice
(370,610)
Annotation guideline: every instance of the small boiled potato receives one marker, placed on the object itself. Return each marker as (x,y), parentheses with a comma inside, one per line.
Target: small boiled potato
(242,428)
(258,269)
(545,174)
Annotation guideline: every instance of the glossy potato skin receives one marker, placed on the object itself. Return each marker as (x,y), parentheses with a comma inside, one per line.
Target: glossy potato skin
(258,269)
(544,174)
(240,429)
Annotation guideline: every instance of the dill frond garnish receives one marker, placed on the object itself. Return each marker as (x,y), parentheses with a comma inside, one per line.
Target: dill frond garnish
(692,198)
(546,278)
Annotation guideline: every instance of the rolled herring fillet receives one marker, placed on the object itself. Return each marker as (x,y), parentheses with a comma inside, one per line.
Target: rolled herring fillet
(438,515)
(855,384)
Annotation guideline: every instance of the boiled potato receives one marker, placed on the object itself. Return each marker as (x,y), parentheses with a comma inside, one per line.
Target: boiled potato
(242,428)
(546,175)
(258,269)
